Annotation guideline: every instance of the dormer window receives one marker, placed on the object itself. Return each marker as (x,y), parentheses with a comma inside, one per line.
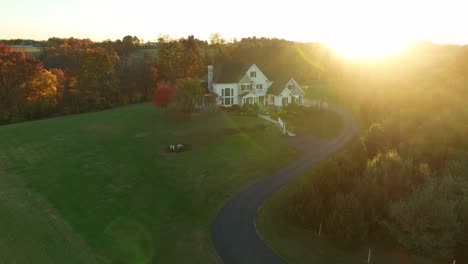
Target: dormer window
(259,86)
(253,74)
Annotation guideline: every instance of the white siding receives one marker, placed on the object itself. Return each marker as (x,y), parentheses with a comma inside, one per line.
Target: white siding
(278,101)
(297,89)
(260,79)
(218,87)
(284,94)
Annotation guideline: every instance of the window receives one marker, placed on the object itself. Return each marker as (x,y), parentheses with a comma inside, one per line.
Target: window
(227,101)
(285,101)
(245,87)
(291,86)
(259,86)
(227,96)
(253,74)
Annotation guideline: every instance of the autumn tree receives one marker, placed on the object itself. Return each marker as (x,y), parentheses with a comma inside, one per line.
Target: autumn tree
(97,79)
(217,51)
(164,95)
(178,59)
(24,83)
(125,47)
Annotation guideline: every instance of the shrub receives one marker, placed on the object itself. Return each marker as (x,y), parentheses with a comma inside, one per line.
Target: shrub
(282,113)
(223,108)
(235,109)
(250,109)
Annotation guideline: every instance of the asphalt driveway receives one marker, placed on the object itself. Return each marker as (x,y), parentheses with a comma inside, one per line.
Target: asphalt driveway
(233,232)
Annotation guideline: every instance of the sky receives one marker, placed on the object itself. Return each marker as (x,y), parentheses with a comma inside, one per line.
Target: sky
(331,21)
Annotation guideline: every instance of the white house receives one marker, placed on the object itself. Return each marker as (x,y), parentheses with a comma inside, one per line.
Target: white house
(238,84)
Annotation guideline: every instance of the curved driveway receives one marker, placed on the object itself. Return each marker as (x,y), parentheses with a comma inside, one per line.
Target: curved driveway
(234,233)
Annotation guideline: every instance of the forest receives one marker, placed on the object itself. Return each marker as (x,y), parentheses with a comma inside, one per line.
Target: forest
(406,176)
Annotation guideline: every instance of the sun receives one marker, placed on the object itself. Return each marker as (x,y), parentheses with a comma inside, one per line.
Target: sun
(368,48)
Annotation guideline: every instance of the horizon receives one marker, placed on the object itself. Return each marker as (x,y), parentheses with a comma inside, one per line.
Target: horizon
(320,21)
(362,29)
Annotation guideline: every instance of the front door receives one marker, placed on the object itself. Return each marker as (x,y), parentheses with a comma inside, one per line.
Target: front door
(285,101)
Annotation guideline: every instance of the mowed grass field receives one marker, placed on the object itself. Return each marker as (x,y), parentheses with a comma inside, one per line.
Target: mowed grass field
(107,175)
(323,124)
(31,231)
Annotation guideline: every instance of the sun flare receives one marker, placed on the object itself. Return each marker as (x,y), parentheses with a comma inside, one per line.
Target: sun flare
(360,48)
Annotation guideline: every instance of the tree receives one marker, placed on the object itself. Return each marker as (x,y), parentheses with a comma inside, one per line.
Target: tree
(22,81)
(125,47)
(346,222)
(42,94)
(216,38)
(178,59)
(164,95)
(189,93)
(427,222)
(97,79)
(375,140)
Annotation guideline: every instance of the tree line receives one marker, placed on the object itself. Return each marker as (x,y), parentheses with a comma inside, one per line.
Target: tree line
(79,75)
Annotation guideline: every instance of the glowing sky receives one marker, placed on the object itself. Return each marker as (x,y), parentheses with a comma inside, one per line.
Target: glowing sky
(314,20)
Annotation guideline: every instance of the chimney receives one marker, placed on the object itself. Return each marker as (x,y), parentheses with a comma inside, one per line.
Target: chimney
(210,78)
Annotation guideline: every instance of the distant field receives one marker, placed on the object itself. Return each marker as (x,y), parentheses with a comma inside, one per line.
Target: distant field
(107,175)
(141,52)
(28,50)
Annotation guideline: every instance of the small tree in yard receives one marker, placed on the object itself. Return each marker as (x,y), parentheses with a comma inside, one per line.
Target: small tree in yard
(164,95)
(189,92)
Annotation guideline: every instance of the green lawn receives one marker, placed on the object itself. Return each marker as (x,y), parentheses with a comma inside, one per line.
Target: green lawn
(299,245)
(30,230)
(107,175)
(318,123)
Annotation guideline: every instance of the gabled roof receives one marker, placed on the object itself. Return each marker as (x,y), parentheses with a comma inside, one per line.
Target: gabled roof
(297,88)
(246,79)
(279,84)
(228,72)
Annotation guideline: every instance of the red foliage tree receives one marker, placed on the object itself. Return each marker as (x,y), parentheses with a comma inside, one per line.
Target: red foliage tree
(164,94)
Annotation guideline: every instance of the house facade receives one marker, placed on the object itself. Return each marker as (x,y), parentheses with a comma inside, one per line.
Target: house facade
(238,84)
